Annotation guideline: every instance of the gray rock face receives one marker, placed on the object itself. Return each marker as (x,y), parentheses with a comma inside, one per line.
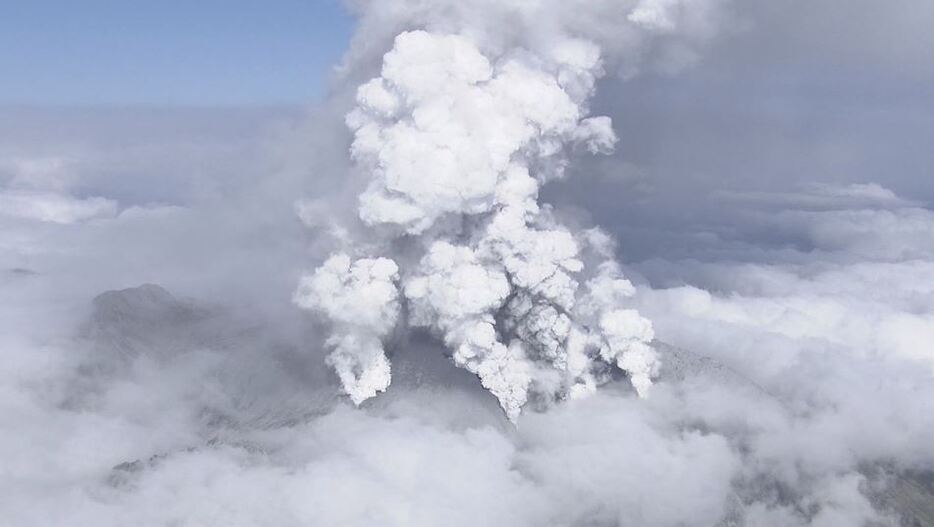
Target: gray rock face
(261,375)
(679,364)
(911,496)
(905,495)
(148,319)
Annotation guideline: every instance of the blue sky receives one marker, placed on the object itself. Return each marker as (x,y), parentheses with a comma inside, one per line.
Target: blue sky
(204,52)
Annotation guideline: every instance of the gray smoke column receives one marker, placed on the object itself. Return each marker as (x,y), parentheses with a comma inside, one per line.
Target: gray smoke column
(476,106)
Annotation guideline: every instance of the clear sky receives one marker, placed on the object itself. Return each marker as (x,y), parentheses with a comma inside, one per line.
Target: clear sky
(190,52)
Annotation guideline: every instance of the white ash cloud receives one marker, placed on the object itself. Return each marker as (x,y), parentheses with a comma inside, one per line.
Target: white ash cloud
(361,300)
(454,139)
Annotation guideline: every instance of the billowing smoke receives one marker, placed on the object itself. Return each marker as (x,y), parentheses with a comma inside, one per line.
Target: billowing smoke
(454,139)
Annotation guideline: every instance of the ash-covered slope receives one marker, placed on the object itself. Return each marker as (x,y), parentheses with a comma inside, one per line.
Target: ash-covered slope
(906,495)
(678,364)
(910,495)
(259,403)
(261,376)
(148,320)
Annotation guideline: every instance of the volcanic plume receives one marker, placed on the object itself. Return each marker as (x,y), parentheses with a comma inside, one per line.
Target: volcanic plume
(455,138)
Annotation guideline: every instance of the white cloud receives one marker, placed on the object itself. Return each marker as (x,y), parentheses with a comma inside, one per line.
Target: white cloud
(53,207)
